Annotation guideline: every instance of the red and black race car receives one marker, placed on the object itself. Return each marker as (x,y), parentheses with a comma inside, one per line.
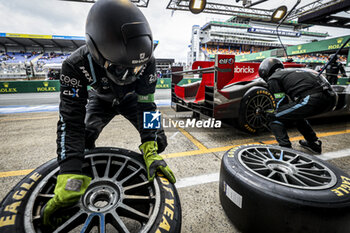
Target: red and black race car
(232,90)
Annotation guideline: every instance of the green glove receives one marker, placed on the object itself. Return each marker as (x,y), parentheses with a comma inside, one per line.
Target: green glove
(154,162)
(69,188)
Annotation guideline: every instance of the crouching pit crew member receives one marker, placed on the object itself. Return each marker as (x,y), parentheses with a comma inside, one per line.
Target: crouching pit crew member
(299,94)
(333,70)
(117,62)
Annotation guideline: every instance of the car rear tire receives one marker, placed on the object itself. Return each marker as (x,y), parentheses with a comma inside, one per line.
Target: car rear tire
(254,102)
(274,189)
(119,197)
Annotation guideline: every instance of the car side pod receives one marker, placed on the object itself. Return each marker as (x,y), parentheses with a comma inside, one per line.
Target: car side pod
(272,189)
(119,198)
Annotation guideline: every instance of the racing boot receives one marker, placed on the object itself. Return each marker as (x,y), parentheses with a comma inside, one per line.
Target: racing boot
(315,147)
(69,188)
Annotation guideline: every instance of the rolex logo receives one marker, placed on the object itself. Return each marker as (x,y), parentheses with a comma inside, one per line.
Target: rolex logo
(162,81)
(6,85)
(299,47)
(46,84)
(339,40)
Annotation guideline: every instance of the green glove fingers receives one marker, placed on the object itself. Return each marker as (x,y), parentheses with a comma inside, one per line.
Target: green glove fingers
(154,162)
(69,188)
(168,173)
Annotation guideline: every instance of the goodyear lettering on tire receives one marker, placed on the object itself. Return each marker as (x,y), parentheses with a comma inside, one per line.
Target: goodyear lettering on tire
(17,196)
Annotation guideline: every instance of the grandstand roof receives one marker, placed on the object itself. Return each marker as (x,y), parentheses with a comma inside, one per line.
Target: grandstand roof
(29,42)
(25,42)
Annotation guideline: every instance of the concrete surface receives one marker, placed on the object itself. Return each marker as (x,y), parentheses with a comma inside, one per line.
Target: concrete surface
(27,140)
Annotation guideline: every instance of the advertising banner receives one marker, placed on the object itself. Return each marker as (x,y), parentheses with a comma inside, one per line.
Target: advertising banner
(29,86)
(10,87)
(324,45)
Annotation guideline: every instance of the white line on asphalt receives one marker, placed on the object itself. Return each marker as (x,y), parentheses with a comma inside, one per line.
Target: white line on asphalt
(335,154)
(174,135)
(214,177)
(196,180)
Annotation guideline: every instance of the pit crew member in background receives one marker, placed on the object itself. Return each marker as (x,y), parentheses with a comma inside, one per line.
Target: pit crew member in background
(117,62)
(299,94)
(333,69)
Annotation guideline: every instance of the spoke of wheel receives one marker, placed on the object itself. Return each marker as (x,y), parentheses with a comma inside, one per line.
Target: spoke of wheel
(119,224)
(93,168)
(284,178)
(70,223)
(120,170)
(135,186)
(262,170)
(89,224)
(260,153)
(254,121)
(305,165)
(130,176)
(251,164)
(256,156)
(250,159)
(270,153)
(297,180)
(271,174)
(108,166)
(137,197)
(294,159)
(263,102)
(314,171)
(315,177)
(137,215)
(267,106)
(308,180)
(251,115)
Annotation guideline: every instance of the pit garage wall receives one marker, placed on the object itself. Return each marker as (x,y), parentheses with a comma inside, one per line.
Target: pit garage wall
(52,86)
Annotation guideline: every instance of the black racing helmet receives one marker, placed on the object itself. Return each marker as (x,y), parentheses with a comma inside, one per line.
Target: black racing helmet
(117,33)
(333,56)
(268,66)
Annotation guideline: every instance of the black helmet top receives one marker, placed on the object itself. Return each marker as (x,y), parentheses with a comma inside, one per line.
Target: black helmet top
(332,56)
(268,66)
(117,33)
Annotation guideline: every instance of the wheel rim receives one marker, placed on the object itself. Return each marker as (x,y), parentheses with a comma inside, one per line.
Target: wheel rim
(255,107)
(119,198)
(287,167)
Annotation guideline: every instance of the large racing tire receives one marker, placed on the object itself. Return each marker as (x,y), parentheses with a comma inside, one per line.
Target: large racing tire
(278,190)
(119,198)
(254,102)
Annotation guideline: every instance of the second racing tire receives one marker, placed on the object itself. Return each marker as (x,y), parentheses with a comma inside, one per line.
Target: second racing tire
(119,198)
(254,102)
(271,189)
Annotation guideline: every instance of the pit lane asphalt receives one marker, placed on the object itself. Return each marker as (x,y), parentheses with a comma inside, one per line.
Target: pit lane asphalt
(27,140)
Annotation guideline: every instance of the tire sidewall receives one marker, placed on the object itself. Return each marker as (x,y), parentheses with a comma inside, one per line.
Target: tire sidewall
(297,210)
(12,207)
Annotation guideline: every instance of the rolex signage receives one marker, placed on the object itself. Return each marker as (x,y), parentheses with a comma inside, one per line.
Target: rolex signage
(29,86)
(163,83)
(5,87)
(323,45)
(47,87)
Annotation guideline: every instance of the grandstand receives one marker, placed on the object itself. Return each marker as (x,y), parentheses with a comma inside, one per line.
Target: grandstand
(25,55)
(246,34)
